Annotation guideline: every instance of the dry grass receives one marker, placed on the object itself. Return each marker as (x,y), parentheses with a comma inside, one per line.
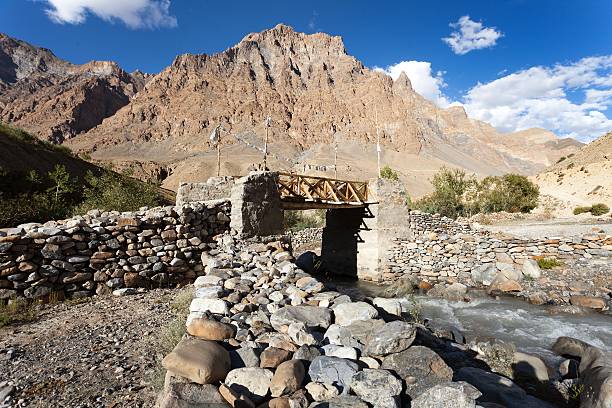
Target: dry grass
(17,311)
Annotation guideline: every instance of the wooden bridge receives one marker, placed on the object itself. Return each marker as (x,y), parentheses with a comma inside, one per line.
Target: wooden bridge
(299,192)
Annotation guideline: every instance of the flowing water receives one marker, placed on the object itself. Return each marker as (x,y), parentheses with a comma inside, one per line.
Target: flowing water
(532,329)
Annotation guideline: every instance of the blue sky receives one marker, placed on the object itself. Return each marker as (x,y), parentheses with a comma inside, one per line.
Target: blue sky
(516,64)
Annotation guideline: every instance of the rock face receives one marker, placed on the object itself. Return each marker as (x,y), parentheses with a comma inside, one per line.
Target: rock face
(55,99)
(309,85)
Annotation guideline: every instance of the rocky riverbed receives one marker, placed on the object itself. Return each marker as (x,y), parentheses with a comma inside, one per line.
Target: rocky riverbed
(261,332)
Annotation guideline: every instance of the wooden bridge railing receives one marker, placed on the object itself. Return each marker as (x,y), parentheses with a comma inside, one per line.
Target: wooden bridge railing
(299,191)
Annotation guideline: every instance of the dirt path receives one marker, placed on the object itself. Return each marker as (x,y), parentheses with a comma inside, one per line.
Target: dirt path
(100,353)
(561,227)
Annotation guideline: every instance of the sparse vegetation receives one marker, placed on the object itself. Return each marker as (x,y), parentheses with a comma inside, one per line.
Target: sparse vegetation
(561,159)
(300,220)
(458,194)
(16,311)
(549,263)
(389,174)
(599,209)
(171,334)
(595,209)
(25,137)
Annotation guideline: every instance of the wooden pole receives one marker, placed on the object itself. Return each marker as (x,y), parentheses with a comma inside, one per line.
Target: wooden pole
(336,160)
(266,149)
(219,154)
(377,141)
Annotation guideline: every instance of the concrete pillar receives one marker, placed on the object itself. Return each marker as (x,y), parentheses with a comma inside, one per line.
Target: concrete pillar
(386,220)
(256,206)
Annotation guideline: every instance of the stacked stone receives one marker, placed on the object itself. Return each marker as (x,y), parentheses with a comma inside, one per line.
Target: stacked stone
(306,236)
(215,188)
(104,251)
(261,332)
(422,224)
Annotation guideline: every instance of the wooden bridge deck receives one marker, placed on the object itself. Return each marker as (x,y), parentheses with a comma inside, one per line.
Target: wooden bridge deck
(299,192)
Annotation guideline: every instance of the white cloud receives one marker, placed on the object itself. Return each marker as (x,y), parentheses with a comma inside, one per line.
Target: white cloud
(424,81)
(133,13)
(471,35)
(538,97)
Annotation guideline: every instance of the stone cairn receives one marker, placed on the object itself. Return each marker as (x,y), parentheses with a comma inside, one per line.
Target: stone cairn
(262,332)
(104,251)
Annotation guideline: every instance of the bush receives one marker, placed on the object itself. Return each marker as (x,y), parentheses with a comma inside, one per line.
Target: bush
(389,174)
(599,209)
(458,194)
(561,159)
(16,311)
(595,209)
(116,192)
(295,220)
(581,210)
(549,263)
(38,198)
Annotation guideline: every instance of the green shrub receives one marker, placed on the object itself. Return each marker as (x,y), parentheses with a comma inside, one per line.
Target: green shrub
(599,209)
(389,174)
(549,263)
(116,192)
(295,220)
(580,210)
(458,194)
(561,159)
(25,137)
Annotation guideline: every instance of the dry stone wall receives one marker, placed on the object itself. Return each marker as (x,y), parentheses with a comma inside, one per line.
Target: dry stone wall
(215,188)
(104,251)
(443,250)
(306,236)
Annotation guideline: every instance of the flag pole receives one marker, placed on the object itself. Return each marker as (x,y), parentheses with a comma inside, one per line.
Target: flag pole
(267,124)
(219,155)
(377,140)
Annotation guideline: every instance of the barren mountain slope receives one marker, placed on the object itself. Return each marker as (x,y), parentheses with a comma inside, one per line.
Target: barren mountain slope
(57,100)
(315,93)
(584,178)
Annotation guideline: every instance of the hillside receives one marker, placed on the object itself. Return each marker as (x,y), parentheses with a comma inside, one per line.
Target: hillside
(316,93)
(582,179)
(55,99)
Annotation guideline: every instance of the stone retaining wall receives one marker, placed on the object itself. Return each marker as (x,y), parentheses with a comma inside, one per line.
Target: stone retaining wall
(215,188)
(306,236)
(447,251)
(104,251)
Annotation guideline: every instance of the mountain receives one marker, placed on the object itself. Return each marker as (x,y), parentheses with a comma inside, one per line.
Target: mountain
(317,95)
(55,99)
(582,178)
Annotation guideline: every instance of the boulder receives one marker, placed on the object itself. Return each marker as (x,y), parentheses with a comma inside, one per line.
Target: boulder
(341,401)
(498,389)
(391,338)
(288,378)
(190,395)
(200,361)
(595,371)
(252,382)
(378,387)
(447,395)
(531,269)
(484,274)
(332,370)
(334,350)
(528,367)
(322,391)
(341,336)
(591,302)
(391,306)
(420,367)
(310,316)
(244,357)
(271,357)
(347,313)
(207,329)
(216,306)
(234,398)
